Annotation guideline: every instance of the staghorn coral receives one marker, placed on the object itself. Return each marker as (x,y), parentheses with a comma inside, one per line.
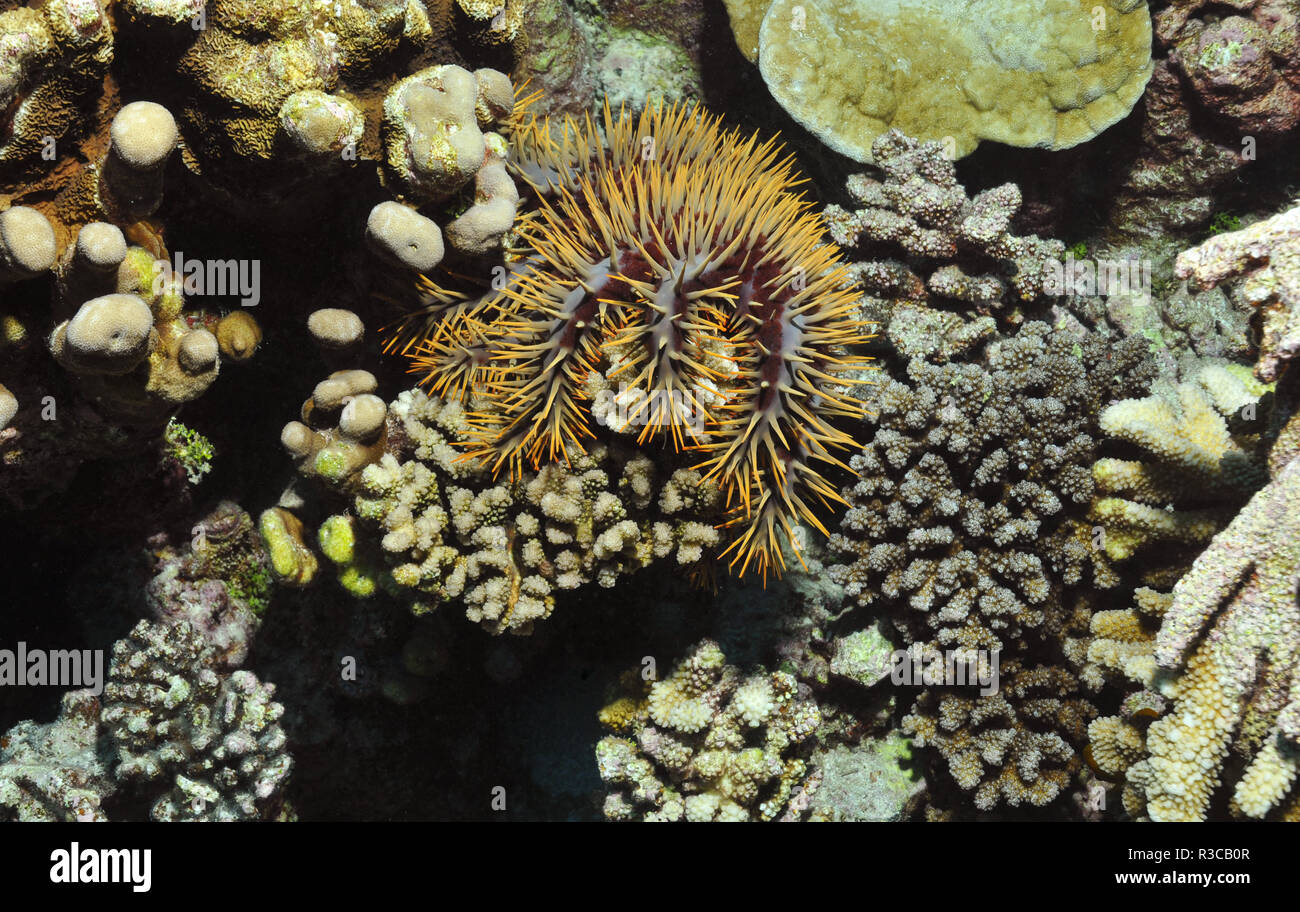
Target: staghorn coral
(1199,442)
(1229,650)
(923,240)
(707,743)
(1265,258)
(676,257)
(1051,74)
(212,739)
(968,527)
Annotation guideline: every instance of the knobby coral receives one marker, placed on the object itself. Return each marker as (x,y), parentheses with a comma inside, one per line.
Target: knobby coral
(707,743)
(969,528)
(919,239)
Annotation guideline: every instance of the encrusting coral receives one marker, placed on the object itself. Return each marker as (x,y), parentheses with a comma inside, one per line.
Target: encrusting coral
(675,258)
(708,742)
(1265,258)
(57,771)
(54,58)
(1052,74)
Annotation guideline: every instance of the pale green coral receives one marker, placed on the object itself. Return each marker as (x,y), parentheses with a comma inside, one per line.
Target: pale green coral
(1199,439)
(191,450)
(1052,73)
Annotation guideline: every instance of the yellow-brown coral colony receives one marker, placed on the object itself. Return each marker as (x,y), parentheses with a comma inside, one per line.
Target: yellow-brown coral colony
(674,260)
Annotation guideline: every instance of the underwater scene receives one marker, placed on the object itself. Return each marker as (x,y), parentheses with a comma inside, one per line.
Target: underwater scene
(649,410)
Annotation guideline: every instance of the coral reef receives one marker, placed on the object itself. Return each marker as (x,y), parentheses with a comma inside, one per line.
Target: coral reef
(1244,69)
(969,528)
(924,241)
(707,743)
(212,739)
(130,352)
(1051,74)
(676,257)
(219,583)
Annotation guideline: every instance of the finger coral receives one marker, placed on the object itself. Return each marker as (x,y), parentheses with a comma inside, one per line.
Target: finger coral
(448,532)
(707,743)
(675,258)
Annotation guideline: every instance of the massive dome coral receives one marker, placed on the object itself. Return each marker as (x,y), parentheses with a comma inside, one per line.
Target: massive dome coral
(1052,73)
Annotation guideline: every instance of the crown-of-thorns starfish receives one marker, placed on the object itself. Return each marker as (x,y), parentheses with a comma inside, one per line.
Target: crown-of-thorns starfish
(679,258)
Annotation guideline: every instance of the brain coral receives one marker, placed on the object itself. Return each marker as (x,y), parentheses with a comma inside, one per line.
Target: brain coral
(1050,73)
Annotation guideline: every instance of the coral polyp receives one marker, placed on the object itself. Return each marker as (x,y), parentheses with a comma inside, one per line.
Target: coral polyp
(670,272)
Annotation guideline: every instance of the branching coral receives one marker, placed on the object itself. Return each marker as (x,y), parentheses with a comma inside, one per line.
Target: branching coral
(56,772)
(504,548)
(1013,747)
(968,527)
(707,743)
(1198,440)
(1232,636)
(676,257)
(970,508)
(923,240)
(214,738)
